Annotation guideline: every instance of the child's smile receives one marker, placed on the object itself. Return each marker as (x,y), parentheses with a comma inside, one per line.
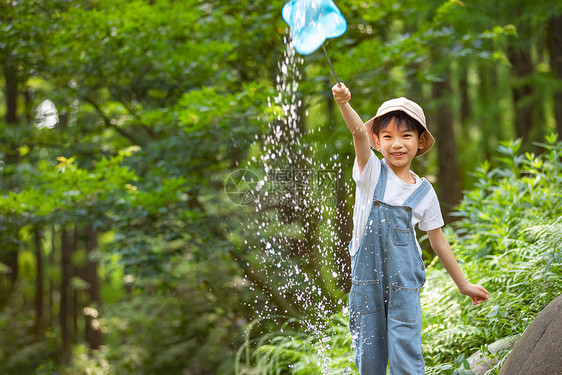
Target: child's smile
(399,147)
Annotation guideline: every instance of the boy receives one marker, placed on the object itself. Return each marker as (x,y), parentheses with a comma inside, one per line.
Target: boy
(387,269)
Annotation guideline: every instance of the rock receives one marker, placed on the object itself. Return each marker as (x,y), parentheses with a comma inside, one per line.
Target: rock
(539,350)
(479,363)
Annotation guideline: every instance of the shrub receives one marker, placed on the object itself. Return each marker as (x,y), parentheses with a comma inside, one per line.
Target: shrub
(507,239)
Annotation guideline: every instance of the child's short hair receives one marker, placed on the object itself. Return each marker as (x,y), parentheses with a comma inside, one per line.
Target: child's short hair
(402,121)
(407,114)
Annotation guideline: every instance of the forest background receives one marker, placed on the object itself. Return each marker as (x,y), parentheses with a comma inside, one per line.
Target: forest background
(124,125)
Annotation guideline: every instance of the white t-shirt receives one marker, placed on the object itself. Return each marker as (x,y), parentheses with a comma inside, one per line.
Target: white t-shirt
(427,213)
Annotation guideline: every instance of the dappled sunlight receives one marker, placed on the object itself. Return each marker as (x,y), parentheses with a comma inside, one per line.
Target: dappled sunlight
(46,115)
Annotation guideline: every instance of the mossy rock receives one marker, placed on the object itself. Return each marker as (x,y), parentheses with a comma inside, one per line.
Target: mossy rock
(480,363)
(539,350)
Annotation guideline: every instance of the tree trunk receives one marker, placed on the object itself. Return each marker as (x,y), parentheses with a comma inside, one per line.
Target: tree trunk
(93,335)
(283,303)
(8,280)
(39,286)
(465,99)
(522,91)
(74,306)
(449,177)
(490,120)
(65,311)
(12,262)
(28,97)
(10,75)
(554,43)
(52,286)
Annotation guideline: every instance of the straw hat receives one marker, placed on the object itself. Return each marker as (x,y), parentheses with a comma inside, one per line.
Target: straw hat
(409,107)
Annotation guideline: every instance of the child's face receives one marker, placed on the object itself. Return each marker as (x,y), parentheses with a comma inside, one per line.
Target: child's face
(399,147)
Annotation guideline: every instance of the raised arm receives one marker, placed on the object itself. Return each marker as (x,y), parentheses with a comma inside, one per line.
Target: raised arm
(342,96)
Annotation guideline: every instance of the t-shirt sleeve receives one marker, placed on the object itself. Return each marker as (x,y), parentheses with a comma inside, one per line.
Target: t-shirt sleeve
(371,171)
(432,218)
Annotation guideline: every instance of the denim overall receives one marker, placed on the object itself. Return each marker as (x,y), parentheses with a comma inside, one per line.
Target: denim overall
(387,275)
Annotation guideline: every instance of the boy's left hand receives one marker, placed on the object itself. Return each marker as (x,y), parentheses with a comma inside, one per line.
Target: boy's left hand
(341,93)
(477,293)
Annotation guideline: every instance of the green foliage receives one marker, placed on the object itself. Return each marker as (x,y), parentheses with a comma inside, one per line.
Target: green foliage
(26,349)
(509,238)
(158,353)
(86,362)
(460,366)
(181,87)
(529,192)
(292,350)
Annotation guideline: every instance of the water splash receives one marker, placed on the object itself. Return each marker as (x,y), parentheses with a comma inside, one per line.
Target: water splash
(297,211)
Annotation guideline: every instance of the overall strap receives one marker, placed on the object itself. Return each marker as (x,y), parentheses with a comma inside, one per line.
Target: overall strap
(415,198)
(381,184)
